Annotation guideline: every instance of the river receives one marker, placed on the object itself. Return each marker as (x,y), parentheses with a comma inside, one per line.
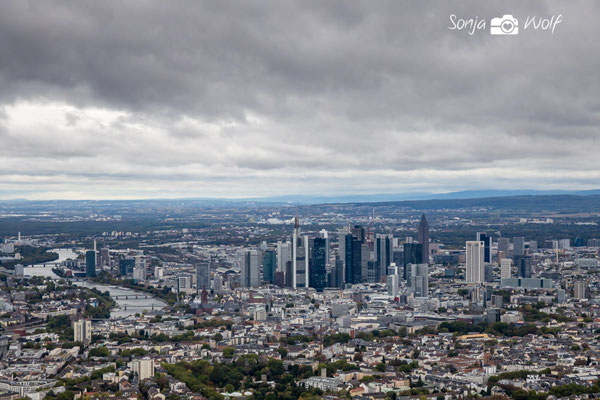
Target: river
(126,308)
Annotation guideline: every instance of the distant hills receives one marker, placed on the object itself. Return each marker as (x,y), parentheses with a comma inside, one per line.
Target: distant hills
(372,198)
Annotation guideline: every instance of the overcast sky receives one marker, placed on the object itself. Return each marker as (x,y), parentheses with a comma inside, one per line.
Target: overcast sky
(139,99)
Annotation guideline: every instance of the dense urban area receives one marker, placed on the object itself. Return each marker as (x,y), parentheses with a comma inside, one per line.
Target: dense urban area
(199,299)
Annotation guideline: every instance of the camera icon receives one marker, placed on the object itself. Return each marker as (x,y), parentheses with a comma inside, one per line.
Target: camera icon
(505,25)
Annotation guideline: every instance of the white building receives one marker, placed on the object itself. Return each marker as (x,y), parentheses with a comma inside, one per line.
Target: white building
(506,268)
(82,331)
(475,262)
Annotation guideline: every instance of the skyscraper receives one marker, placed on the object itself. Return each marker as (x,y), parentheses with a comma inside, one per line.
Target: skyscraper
(506,268)
(423,238)
(250,270)
(353,256)
(518,246)
(284,254)
(90,263)
(475,269)
(393,281)
(318,269)
(487,241)
(413,254)
(203,276)
(504,245)
(384,250)
(82,331)
(579,290)
(269,262)
(524,266)
(300,257)
(419,277)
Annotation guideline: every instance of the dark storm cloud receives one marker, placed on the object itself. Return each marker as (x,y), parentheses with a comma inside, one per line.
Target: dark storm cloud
(246,97)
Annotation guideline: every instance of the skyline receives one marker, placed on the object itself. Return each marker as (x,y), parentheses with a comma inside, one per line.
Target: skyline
(116,101)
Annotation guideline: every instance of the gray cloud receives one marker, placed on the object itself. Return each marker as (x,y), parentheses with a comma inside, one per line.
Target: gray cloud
(142,99)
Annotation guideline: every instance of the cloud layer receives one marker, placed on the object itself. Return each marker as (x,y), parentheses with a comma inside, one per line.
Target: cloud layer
(238,99)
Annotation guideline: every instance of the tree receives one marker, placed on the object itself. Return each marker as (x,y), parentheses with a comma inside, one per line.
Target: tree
(228,352)
(282,352)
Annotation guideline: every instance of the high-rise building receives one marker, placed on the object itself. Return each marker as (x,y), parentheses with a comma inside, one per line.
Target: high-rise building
(353,255)
(579,290)
(104,256)
(506,268)
(144,368)
(518,246)
(564,244)
(475,265)
(269,262)
(393,281)
(250,268)
(533,247)
(318,269)
(487,248)
(524,266)
(419,278)
(284,254)
(385,252)
(338,273)
(82,331)
(90,263)
(413,254)
(126,266)
(423,238)
(300,257)
(504,245)
(203,276)
(184,283)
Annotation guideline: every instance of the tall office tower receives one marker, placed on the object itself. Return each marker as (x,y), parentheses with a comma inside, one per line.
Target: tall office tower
(353,259)
(203,276)
(289,274)
(338,273)
(300,257)
(475,265)
(385,252)
(82,331)
(359,233)
(366,256)
(393,281)
(504,245)
(269,262)
(250,268)
(184,283)
(139,274)
(318,269)
(323,234)
(413,254)
(284,254)
(506,268)
(144,368)
(341,236)
(423,238)
(524,266)
(487,242)
(533,247)
(104,256)
(90,263)
(419,277)
(564,244)
(126,266)
(518,246)
(579,290)
(218,283)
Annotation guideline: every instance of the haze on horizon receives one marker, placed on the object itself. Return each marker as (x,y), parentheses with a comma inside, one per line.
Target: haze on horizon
(177,99)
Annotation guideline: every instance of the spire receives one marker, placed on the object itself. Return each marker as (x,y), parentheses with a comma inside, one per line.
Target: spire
(296,222)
